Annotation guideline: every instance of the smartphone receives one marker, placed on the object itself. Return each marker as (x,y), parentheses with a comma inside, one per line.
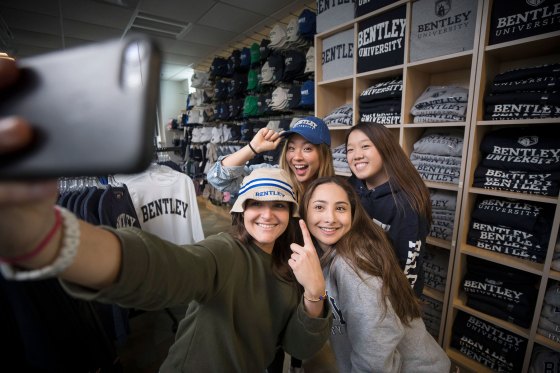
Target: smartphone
(92,108)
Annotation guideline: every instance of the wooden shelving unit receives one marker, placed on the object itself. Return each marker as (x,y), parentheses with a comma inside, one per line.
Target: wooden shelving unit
(454,69)
(494,59)
(471,69)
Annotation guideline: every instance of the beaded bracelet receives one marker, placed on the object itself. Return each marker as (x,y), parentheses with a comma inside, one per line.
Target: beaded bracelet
(321,297)
(66,254)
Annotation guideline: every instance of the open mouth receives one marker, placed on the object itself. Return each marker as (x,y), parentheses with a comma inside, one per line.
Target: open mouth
(300,169)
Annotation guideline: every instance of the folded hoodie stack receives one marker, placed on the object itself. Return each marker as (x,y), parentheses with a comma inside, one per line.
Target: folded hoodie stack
(439,104)
(437,155)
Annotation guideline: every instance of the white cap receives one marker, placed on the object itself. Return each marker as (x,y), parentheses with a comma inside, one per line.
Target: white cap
(310,60)
(292,35)
(266,74)
(277,36)
(279,98)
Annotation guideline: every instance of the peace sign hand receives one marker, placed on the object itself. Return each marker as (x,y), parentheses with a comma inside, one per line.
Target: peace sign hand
(305,263)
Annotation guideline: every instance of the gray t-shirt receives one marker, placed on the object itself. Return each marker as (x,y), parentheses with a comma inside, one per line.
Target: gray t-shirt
(337,58)
(441,27)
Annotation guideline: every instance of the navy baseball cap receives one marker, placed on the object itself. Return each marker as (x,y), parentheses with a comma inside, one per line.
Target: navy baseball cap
(307,94)
(313,129)
(307,22)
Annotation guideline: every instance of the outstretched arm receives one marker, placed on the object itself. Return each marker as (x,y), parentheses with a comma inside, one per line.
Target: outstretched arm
(27,216)
(265,140)
(228,172)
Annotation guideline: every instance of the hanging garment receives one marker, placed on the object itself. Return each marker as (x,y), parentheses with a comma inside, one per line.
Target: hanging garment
(165,203)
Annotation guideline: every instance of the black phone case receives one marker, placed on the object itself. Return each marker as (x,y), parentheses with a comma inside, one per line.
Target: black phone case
(92,108)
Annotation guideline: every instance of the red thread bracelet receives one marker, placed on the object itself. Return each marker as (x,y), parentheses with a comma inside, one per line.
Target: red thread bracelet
(40,246)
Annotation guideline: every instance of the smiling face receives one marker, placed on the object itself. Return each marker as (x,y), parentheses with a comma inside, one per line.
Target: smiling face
(329,214)
(302,158)
(364,159)
(265,221)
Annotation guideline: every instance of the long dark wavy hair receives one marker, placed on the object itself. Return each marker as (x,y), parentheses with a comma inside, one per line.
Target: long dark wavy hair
(400,171)
(367,249)
(281,251)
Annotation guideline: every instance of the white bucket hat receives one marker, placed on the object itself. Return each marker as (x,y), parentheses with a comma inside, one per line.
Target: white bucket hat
(266,184)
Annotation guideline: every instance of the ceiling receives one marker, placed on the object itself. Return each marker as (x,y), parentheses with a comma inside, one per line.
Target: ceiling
(190,32)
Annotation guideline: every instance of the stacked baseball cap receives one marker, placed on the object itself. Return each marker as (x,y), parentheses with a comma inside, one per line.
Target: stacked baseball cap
(222,111)
(255,54)
(294,96)
(250,106)
(233,61)
(277,37)
(199,79)
(293,39)
(221,90)
(236,108)
(276,64)
(294,65)
(264,104)
(279,99)
(264,50)
(208,114)
(253,80)
(235,132)
(245,59)
(219,68)
(307,95)
(310,61)
(266,74)
(237,85)
(307,24)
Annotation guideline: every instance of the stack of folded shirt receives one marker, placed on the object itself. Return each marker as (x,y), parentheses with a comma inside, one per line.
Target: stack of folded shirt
(512,227)
(431,314)
(525,160)
(444,204)
(437,155)
(341,116)
(503,292)
(339,160)
(544,358)
(441,104)
(498,349)
(555,265)
(435,265)
(526,93)
(381,103)
(549,322)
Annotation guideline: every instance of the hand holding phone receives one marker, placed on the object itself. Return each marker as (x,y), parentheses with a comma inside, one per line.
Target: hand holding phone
(92,109)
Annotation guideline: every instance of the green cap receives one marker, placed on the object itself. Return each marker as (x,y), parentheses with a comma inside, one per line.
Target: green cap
(250,106)
(253,79)
(255,53)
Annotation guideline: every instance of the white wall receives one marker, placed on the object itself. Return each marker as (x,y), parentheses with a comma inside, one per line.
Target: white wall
(173,99)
